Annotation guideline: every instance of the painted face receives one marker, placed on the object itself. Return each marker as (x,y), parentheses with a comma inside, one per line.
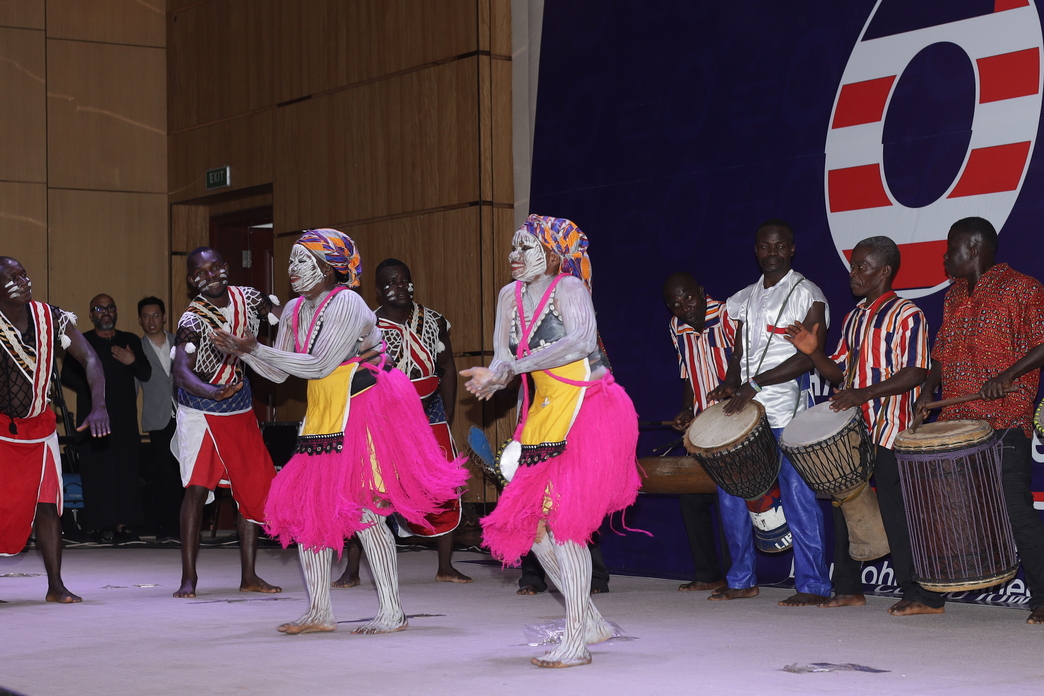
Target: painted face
(14,282)
(305,273)
(210,275)
(395,286)
(688,303)
(103,313)
(152,319)
(527,257)
(774,247)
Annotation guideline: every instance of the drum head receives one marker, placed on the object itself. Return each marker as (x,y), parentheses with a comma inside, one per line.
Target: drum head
(817,424)
(952,434)
(713,429)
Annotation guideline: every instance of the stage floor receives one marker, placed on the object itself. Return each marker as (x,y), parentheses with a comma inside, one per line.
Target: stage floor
(129,636)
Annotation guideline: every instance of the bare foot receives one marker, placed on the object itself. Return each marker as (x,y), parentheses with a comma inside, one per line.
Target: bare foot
(256,584)
(62,596)
(597,632)
(187,590)
(908,607)
(699,586)
(453,575)
(376,626)
(527,590)
(844,600)
(1036,616)
(802,599)
(553,661)
(723,593)
(599,590)
(296,628)
(345,581)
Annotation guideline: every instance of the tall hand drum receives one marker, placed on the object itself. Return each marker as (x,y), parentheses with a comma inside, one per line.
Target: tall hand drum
(740,454)
(832,452)
(959,529)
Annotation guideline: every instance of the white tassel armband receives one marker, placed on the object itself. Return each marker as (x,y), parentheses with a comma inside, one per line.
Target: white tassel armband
(65,341)
(274,300)
(273,319)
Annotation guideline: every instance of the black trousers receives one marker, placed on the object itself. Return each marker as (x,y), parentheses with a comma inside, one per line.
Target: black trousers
(1026,525)
(533,573)
(698,511)
(162,491)
(847,571)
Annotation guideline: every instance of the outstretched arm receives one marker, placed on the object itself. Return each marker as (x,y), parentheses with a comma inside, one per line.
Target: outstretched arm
(98,419)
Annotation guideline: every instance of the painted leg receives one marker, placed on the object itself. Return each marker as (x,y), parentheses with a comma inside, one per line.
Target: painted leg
(598,629)
(379,546)
(319,617)
(574,570)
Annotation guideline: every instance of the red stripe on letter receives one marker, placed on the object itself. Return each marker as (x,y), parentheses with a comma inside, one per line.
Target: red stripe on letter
(1001,5)
(857,188)
(1009,75)
(992,169)
(862,102)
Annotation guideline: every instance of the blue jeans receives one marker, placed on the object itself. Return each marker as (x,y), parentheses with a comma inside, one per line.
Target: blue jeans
(805,519)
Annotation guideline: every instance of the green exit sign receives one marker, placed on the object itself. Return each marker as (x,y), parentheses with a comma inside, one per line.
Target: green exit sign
(219,178)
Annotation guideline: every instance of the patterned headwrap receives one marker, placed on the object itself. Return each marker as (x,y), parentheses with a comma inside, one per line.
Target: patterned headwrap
(565,239)
(337,249)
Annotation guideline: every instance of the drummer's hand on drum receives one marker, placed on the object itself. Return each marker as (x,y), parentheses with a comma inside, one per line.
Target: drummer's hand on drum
(803,339)
(740,398)
(848,398)
(721,392)
(682,420)
(920,410)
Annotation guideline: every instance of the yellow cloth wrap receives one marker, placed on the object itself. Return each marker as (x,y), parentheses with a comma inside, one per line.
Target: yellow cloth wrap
(328,402)
(554,406)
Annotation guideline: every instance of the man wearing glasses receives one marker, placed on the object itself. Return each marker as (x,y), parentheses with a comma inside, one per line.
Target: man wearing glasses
(109,465)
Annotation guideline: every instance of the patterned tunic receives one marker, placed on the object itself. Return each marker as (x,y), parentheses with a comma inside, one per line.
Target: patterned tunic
(703,356)
(981,335)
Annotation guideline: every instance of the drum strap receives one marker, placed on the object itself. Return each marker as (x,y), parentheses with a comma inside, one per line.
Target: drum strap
(746,330)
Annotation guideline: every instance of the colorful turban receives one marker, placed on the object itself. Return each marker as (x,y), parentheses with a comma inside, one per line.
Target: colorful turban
(565,239)
(337,249)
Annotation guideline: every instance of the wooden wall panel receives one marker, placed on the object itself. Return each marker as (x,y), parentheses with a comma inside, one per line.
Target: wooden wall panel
(221,60)
(403,144)
(23,105)
(245,144)
(134,22)
(500,122)
(189,227)
(232,57)
(114,243)
(23,229)
(28,14)
(106,113)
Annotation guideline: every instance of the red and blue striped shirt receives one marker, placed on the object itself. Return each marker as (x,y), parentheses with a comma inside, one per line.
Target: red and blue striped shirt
(877,341)
(703,356)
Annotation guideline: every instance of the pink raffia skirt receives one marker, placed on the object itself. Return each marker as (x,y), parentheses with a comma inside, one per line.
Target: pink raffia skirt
(597,475)
(389,455)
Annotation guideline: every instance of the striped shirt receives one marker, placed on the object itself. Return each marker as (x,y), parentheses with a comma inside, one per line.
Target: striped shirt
(897,337)
(703,356)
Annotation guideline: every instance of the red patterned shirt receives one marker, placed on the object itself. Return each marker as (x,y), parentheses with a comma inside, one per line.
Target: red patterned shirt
(703,357)
(985,333)
(897,337)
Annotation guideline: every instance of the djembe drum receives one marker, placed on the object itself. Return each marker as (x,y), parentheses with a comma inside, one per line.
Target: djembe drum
(959,529)
(832,452)
(740,454)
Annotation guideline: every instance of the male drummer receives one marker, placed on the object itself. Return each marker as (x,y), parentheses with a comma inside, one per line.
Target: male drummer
(880,363)
(992,338)
(702,334)
(767,367)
